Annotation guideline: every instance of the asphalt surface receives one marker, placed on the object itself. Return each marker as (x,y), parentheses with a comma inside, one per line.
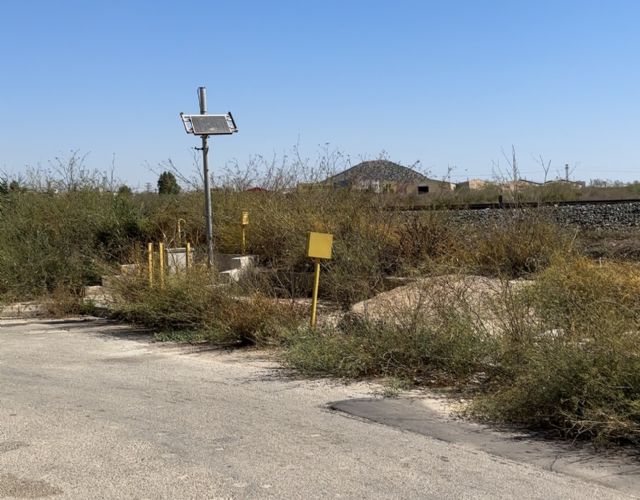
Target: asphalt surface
(89,409)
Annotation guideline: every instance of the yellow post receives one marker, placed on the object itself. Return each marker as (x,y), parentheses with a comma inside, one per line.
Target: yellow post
(161,267)
(314,301)
(187,258)
(244,222)
(150,263)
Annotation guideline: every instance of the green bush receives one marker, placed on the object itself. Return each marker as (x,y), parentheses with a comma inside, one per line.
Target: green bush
(52,241)
(199,304)
(449,348)
(571,359)
(520,244)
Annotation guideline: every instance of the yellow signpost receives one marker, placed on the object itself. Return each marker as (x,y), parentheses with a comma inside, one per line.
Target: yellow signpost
(150,262)
(244,222)
(319,246)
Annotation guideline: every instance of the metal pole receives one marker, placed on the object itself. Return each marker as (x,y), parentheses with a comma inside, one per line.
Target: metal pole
(150,263)
(202,97)
(314,300)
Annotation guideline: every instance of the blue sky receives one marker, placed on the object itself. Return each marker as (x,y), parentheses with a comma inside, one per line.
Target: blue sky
(449,83)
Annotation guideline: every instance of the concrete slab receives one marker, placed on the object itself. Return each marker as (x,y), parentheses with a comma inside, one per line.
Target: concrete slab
(22,310)
(619,469)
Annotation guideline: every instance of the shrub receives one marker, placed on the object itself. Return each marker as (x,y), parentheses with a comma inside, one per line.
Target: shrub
(521,243)
(197,302)
(573,364)
(49,241)
(450,346)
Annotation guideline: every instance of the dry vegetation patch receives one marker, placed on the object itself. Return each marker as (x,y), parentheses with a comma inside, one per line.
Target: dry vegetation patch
(558,352)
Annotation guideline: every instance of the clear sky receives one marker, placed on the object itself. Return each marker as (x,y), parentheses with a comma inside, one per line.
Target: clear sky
(449,83)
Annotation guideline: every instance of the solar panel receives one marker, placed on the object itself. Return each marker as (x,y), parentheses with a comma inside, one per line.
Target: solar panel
(209,124)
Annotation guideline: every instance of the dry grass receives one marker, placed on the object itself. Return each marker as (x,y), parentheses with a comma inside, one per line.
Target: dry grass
(197,302)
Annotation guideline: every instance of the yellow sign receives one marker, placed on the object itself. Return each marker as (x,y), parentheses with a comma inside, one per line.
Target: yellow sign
(244,220)
(319,245)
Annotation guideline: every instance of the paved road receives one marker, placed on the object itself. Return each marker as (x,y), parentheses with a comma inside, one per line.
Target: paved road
(89,409)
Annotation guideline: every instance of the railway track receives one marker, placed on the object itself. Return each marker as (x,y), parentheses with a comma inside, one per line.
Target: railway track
(508,205)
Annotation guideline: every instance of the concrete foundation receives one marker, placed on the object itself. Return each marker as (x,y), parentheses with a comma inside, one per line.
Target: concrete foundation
(233,266)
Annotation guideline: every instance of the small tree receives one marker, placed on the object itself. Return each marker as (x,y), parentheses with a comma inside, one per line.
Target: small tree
(167,184)
(124,190)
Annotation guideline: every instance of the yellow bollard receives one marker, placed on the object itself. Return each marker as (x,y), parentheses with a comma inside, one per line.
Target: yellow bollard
(150,263)
(161,266)
(187,258)
(244,222)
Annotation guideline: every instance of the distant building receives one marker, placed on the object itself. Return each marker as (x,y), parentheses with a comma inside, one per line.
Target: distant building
(564,182)
(383,176)
(523,183)
(473,184)
(519,184)
(306,187)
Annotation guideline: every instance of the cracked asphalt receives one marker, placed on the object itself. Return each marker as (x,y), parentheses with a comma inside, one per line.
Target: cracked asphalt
(93,409)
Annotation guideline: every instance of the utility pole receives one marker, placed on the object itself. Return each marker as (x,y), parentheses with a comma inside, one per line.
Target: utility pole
(205,125)
(208,216)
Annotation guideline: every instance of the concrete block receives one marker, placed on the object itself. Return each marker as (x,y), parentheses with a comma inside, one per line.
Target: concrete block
(177,259)
(233,267)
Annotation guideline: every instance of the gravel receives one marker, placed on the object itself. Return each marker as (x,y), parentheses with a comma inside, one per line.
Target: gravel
(603,217)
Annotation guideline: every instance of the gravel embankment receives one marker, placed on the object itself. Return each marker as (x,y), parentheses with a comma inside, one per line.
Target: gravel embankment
(614,216)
